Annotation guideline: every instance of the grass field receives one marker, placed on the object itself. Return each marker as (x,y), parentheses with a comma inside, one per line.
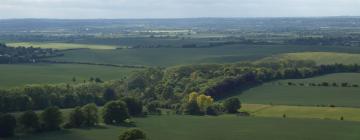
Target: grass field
(273,93)
(22,74)
(176,56)
(333,113)
(62,46)
(215,128)
(321,57)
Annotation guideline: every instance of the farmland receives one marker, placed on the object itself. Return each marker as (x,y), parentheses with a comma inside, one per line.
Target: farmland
(23,74)
(62,46)
(278,92)
(221,127)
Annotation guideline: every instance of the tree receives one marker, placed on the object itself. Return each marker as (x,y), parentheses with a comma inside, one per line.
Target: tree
(115,112)
(204,101)
(109,95)
(76,118)
(133,134)
(135,106)
(210,110)
(30,121)
(232,105)
(7,125)
(51,118)
(91,115)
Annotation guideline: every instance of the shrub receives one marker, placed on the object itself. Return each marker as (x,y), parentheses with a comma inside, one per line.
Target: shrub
(133,134)
(232,105)
(30,121)
(51,118)
(192,108)
(115,112)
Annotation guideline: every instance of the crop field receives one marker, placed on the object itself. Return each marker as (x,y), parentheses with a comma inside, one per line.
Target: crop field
(63,46)
(22,74)
(178,56)
(333,113)
(278,92)
(214,128)
(321,57)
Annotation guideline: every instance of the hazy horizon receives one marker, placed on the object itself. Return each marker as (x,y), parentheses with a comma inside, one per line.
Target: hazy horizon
(157,9)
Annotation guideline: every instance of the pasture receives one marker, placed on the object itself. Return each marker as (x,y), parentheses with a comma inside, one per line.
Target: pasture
(23,74)
(278,92)
(63,46)
(215,128)
(305,112)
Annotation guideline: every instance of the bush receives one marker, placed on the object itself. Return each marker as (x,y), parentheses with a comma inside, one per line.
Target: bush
(192,108)
(91,115)
(232,105)
(135,106)
(152,108)
(115,112)
(30,121)
(211,111)
(7,125)
(133,134)
(76,118)
(51,118)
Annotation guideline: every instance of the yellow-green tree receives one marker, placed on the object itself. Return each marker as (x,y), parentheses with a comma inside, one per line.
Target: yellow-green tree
(192,96)
(204,101)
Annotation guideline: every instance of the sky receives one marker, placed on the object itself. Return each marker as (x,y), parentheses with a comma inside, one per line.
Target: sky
(110,9)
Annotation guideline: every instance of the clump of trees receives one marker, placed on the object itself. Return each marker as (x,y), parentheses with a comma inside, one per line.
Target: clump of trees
(86,116)
(197,104)
(232,105)
(7,125)
(115,112)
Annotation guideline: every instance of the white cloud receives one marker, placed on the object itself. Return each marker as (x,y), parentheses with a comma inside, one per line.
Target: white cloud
(174,8)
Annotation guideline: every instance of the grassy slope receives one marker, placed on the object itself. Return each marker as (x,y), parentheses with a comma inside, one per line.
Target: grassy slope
(21,74)
(273,93)
(221,127)
(334,113)
(175,56)
(62,46)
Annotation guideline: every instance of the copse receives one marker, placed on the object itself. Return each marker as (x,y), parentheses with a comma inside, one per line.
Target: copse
(7,125)
(232,105)
(76,118)
(29,121)
(133,134)
(115,112)
(91,114)
(51,119)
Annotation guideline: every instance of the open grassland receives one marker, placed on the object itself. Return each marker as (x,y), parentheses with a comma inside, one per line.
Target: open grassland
(176,56)
(22,74)
(62,46)
(320,57)
(278,92)
(334,113)
(215,128)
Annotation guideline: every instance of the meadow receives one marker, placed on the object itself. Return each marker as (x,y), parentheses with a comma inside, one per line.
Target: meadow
(22,74)
(320,57)
(304,112)
(213,128)
(278,92)
(63,46)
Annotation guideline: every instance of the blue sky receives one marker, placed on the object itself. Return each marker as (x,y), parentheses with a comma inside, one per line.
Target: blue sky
(86,9)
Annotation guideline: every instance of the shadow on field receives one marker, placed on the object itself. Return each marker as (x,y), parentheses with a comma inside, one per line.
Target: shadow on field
(239,90)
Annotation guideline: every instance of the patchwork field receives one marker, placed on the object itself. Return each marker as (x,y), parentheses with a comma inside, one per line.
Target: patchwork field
(22,74)
(215,128)
(63,46)
(278,92)
(277,111)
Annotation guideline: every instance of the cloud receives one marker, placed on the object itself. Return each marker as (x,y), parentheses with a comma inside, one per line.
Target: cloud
(174,8)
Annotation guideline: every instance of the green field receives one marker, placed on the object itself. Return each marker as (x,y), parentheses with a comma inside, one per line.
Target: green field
(176,56)
(275,93)
(321,57)
(22,74)
(215,128)
(333,113)
(63,46)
